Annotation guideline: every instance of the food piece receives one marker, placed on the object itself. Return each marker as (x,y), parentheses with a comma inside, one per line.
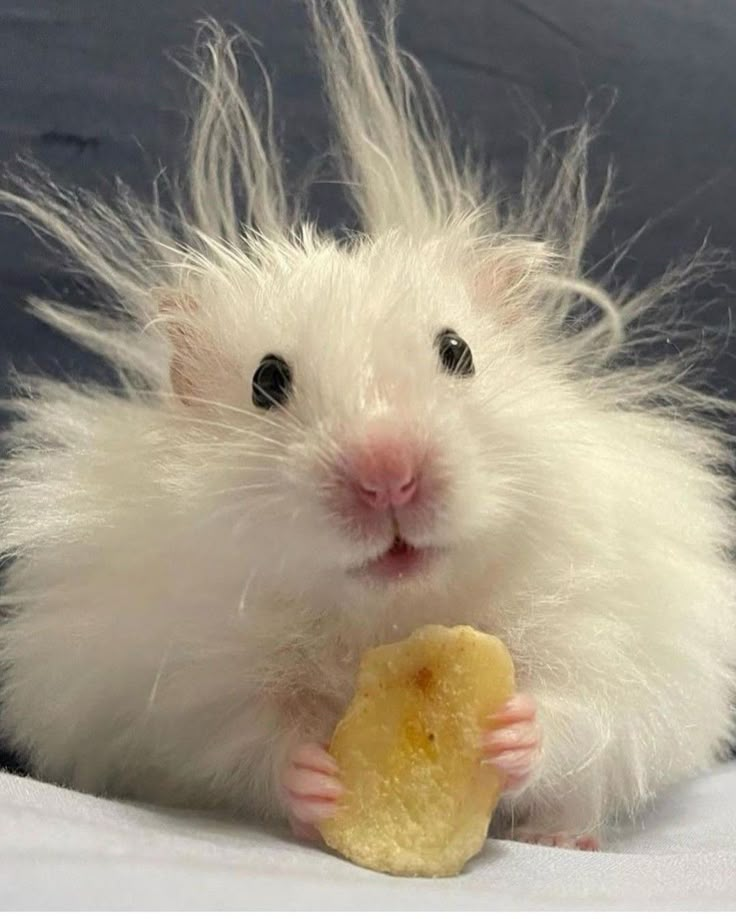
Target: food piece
(418,800)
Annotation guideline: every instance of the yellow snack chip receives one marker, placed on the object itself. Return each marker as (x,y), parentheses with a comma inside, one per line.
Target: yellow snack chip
(417,799)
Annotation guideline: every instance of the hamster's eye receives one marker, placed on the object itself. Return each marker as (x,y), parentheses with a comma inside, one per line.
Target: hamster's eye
(456,356)
(271,382)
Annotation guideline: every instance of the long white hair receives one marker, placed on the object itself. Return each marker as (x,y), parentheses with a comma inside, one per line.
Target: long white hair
(631,454)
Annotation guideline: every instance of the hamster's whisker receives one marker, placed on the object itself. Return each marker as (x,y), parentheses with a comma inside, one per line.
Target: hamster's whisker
(252,414)
(157,678)
(244,594)
(196,423)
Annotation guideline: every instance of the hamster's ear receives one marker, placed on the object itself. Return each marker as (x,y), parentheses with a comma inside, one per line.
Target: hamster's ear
(193,353)
(508,276)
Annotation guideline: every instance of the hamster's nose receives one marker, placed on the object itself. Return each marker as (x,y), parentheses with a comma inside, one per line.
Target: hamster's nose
(383,472)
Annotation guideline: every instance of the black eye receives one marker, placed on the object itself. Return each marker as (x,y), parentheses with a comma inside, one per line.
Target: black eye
(271,382)
(456,356)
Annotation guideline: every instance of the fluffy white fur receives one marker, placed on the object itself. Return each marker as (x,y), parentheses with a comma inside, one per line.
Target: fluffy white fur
(179,604)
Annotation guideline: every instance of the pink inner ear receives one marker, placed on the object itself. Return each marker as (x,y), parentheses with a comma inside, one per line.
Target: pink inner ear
(194,354)
(201,370)
(507,279)
(175,303)
(491,281)
(182,373)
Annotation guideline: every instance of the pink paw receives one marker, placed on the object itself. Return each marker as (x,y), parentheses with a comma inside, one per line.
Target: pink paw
(311,789)
(514,742)
(585,842)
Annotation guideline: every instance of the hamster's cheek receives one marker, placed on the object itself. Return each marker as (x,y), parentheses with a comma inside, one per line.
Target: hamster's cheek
(465,499)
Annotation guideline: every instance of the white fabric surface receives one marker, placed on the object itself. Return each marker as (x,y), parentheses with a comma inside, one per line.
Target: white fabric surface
(60,849)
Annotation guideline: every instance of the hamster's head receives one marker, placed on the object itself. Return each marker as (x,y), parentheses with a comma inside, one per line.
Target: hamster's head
(373,414)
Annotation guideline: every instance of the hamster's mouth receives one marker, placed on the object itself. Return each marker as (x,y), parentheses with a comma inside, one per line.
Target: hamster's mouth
(399,561)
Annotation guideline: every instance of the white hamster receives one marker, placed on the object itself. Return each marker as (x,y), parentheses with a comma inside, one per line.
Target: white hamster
(319,444)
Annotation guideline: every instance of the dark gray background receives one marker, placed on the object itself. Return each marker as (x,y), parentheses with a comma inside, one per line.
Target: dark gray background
(87,88)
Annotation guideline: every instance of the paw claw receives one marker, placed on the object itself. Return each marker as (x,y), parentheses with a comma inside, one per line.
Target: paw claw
(520,707)
(513,743)
(310,811)
(315,757)
(514,738)
(310,788)
(301,782)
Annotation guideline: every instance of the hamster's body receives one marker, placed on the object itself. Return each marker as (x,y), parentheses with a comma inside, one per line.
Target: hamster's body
(320,445)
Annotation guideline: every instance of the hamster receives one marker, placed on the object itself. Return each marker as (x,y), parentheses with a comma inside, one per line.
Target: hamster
(319,443)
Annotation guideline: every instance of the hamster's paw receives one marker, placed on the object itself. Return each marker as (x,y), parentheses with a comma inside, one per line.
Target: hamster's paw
(310,788)
(586,841)
(514,742)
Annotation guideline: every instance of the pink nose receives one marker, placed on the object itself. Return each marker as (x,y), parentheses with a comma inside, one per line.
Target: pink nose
(383,473)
